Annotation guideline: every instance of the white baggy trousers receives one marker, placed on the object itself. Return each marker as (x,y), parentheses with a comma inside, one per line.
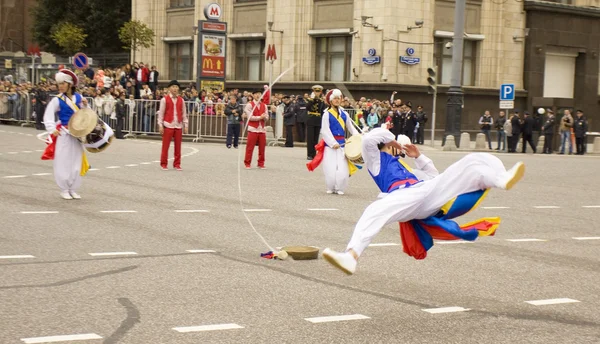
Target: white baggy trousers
(474,172)
(335,168)
(67,162)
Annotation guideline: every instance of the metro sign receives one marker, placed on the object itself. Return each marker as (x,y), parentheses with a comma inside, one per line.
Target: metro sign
(213,11)
(271,53)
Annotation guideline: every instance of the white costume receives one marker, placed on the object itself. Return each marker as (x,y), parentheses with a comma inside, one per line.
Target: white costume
(335,164)
(408,195)
(335,123)
(68,152)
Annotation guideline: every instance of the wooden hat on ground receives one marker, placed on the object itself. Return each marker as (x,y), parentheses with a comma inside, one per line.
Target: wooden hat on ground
(82,122)
(302,252)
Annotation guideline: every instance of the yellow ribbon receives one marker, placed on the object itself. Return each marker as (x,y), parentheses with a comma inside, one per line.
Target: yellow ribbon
(85,165)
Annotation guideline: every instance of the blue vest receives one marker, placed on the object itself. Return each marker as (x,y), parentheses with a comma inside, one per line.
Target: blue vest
(65,111)
(390,171)
(335,126)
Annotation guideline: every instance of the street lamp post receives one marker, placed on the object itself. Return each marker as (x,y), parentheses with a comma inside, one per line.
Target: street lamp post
(455,92)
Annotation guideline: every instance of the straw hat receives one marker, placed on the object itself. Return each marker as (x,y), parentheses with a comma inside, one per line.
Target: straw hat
(302,252)
(82,122)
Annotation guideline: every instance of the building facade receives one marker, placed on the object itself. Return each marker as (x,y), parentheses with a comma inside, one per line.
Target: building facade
(374,47)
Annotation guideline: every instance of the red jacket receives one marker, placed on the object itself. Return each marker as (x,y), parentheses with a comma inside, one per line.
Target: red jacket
(145,74)
(169,109)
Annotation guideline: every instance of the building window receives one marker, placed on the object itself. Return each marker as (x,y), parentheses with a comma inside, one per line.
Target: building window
(333,58)
(181,3)
(249,60)
(443,58)
(181,61)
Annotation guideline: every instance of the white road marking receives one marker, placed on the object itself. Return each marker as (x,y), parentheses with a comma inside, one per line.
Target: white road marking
(117,211)
(65,338)
(156,161)
(201,251)
(591,206)
(256,210)
(322,209)
(112,167)
(40,212)
(131,165)
(550,302)
(317,320)
(524,240)
(93,169)
(216,327)
(42,174)
(191,211)
(384,244)
(145,163)
(102,254)
(586,238)
(26,152)
(13,177)
(546,207)
(453,242)
(495,207)
(445,310)
(29,135)
(39,150)
(21,256)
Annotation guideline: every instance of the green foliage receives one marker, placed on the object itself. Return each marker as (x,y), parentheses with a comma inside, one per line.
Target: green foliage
(134,34)
(100,20)
(69,37)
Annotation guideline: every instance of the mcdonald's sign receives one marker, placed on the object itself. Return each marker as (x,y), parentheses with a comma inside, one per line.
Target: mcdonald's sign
(271,53)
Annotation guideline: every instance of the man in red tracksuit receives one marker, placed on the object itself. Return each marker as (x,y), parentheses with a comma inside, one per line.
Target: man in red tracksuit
(256,113)
(172,121)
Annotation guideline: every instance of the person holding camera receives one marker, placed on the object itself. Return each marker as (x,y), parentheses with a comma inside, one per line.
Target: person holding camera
(485,122)
(566,123)
(233,111)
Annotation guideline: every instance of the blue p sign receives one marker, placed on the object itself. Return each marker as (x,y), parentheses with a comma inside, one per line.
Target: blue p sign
(507,92)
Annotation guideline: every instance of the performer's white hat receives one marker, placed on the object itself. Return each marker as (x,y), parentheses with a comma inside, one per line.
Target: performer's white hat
(333,94)
(65,75)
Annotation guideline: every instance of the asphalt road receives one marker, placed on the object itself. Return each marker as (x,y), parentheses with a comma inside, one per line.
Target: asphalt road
(116,266)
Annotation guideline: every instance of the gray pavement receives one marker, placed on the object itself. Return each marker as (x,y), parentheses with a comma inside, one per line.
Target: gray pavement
(52,286)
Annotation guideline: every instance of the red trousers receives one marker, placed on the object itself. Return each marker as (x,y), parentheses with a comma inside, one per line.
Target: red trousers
(168,135)
(253,138)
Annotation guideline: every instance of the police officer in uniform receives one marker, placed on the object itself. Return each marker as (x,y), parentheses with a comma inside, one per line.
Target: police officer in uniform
(315,106)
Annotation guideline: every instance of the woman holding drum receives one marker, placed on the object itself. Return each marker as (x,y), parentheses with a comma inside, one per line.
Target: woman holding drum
(335,123)
(68,155)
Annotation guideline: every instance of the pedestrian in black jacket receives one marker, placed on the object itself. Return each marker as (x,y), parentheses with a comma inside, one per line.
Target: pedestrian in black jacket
(289,114)
(516,132)
(121,112)
(301,118)
(580,127)
(548,131)
(528,124)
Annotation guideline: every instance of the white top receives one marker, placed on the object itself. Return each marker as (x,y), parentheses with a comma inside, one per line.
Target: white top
(372,158)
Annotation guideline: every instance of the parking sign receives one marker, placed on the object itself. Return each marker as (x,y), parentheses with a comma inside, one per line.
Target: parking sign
(507,92)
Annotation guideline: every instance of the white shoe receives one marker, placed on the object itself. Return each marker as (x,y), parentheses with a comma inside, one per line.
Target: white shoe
(514,175)
(343,261)
(329,192)
(66,195)
(340,192)
(75,195)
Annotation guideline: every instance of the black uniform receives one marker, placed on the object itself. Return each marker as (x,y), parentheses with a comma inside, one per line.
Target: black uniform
(548,130)
(528,124)
(121,112)
(289,114)
(410,122)
(580,127)
(516,134)
(301,118)
(316,107)
(421,119)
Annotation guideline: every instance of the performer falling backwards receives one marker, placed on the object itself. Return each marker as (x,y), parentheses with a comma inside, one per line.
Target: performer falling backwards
(69,157)
(423,201)
(335,122)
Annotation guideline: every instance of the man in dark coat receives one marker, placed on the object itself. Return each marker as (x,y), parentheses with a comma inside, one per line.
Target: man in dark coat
(289,114)
(548,131)
(301,118)
(528,124)
(516,132)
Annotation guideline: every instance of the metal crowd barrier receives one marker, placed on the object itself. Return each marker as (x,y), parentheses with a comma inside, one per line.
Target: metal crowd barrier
(16,106)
